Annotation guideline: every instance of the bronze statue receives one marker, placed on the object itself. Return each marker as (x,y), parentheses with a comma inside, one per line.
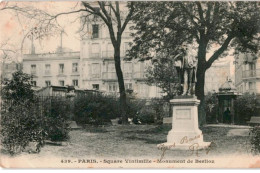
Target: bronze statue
(186,66)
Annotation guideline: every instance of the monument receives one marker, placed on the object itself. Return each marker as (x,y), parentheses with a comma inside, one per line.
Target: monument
(185,132)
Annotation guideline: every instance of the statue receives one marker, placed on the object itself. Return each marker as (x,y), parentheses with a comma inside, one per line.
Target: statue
(186,66)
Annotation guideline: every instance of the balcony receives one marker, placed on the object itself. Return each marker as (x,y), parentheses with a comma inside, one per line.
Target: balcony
(251,73)
(95,76)
(109,76)
(95,55)
(140,76)
(108,54)
(128,75)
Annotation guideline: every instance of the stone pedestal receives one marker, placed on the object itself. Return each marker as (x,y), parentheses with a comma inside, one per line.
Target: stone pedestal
(185,132)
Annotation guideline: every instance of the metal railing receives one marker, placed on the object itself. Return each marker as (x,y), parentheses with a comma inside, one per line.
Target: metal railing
(109,76)
(140,75)
(251,73)
(108,54)
(128,75)
(95,55)
(95,76)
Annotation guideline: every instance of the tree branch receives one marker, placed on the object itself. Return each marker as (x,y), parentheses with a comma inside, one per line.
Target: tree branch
(128,17)
(190,15)
(219,51)
(200,11)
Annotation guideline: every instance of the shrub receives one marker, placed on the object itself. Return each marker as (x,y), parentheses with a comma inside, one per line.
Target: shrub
(20,121)
(20,125)
(211,107)
(246,106)
(146,116)
(56,115)
(255,139)
(151,112)
(26,118)
(95,109)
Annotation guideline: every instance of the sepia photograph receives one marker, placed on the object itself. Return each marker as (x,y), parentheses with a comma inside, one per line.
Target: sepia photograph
(130,84)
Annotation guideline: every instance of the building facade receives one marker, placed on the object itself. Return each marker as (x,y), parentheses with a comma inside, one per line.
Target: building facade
(216,75)
(247,73)
(8,68)
(59,69)
(98,67)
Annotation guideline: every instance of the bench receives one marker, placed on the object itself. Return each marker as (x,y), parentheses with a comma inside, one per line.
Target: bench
(254,121)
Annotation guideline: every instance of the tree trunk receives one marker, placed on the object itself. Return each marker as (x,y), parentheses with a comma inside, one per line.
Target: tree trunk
(122,92)
(199,89)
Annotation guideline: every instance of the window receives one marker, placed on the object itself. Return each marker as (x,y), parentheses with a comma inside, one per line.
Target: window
(33,83)
(128,67)
(96,9)
(61,82)
(128,86)
(252,66)
(48,83)
(112,87)
(47,68)
(95,70)
(95,86)
(75,67)
(33,69)
(95,50)
(75,82)
(95,29)
(111,67)
(251,85)
(61,68)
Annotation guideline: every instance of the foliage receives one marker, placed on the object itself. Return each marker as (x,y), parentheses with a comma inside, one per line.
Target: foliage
(56,116)
(164,75)
(21,125)
(255,139)
(163,27)
(20,121)
(211,107)
(95,109)
(134,106)
(151,112)
(246,106)
(19,88)
(27,118)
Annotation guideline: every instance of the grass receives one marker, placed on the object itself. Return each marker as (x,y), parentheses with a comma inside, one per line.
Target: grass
(139,141)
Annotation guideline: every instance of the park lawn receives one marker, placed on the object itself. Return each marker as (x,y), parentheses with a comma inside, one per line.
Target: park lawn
(139,141)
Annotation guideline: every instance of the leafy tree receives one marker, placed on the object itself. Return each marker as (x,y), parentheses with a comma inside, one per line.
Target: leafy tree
(163,74)
(19,88)
(165,26)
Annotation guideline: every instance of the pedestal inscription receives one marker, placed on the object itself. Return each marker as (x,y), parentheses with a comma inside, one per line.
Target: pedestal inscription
(185,130)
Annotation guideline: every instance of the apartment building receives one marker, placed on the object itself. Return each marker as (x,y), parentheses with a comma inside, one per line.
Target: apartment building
(58,69)
(98,67)
(8,68)
(247,73)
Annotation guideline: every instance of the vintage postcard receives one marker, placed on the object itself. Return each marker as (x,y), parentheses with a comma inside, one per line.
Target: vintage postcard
(130,84)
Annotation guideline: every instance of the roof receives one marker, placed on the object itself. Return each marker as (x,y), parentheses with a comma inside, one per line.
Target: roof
(228,87)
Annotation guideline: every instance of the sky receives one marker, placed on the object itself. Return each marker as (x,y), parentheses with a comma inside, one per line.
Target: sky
(14,28)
